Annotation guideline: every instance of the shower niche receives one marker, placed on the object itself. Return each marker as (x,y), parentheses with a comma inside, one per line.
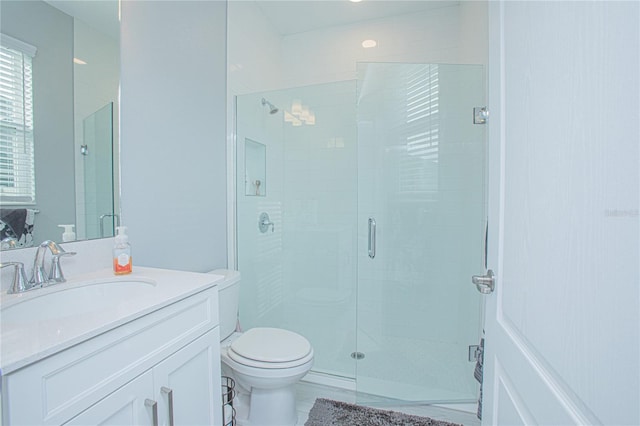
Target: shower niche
(255,168)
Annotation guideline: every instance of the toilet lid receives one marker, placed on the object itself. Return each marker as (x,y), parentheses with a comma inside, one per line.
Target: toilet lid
(271,345)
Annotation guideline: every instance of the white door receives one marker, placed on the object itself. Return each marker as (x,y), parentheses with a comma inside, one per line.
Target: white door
(562,326)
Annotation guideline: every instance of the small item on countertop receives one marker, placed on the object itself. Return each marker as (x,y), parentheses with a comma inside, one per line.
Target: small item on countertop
(122,252)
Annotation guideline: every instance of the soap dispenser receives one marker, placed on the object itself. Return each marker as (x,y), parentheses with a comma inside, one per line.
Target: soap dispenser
(68,234)
(122,252)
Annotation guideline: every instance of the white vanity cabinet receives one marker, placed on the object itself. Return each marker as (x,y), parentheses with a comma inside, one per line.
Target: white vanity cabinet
(176,391)
(165,363)
(125,406)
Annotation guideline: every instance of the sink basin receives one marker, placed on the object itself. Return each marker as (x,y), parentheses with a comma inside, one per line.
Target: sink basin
(39,323)
(66,301)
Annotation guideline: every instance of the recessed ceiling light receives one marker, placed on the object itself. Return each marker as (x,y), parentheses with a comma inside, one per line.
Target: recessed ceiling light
(79,61)
(355,1)
(369,43)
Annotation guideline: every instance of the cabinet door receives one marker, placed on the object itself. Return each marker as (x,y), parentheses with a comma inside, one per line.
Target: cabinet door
(126,406)
(191,377)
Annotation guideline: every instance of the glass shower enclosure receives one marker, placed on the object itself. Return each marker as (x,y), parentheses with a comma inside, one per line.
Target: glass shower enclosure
(376,199)
(98,206)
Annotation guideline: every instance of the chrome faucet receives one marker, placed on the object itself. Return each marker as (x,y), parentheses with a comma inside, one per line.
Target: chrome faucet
(39,275)
(19,283)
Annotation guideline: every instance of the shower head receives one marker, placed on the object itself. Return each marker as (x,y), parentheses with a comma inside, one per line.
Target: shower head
(272,108)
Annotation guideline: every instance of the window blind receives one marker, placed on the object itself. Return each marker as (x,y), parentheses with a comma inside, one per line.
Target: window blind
(419,167)
(17,169)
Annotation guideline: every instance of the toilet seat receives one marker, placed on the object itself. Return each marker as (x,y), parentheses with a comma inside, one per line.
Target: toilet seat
(270,348)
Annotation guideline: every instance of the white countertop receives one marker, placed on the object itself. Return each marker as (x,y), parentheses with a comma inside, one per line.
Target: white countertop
(28,341)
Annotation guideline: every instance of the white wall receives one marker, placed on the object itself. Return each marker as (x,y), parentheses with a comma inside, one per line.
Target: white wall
(173,91)
(255,52)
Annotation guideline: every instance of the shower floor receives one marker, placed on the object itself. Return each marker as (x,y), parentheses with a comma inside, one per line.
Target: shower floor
(415,370)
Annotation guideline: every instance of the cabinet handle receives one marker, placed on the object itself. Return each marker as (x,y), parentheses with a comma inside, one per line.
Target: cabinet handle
(372,238)
(154,408)
(169,392)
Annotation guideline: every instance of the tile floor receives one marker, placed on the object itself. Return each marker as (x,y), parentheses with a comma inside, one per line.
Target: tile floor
(308,392)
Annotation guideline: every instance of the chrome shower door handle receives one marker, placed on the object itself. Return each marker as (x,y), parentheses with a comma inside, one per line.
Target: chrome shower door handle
(372,238)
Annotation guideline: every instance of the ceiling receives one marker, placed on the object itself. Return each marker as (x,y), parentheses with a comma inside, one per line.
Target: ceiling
(100,14)
(286,16)
(296,16)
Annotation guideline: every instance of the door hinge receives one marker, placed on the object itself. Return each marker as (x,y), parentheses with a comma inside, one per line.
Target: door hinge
(480,115)
(474,353)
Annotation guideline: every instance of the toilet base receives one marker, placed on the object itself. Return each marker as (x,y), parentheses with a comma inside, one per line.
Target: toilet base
(267,407)
(265,396)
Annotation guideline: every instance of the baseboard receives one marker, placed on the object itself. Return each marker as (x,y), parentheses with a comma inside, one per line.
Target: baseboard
(466,407)
(330,380)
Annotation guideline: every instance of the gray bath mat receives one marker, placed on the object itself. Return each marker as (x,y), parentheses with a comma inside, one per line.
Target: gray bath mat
(326,412)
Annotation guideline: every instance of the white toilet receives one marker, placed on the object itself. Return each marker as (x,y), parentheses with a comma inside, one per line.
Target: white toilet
(265,363)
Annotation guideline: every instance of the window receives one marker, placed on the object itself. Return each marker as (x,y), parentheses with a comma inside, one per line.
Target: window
(17,175)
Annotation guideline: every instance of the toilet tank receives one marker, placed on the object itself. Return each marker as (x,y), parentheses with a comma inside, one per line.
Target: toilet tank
(228,299)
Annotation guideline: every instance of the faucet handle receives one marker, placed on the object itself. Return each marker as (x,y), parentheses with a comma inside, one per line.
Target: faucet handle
(20,282)
(56,275)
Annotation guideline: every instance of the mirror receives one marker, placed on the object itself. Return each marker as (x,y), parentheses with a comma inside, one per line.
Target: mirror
(75,117)
(255,168)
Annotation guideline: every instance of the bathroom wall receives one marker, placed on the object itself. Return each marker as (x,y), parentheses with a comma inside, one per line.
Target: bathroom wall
(51,32)
(254,60)
(173,116)
(254,50)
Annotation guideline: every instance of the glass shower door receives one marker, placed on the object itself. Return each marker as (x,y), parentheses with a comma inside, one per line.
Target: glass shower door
(97,155)
(421,230)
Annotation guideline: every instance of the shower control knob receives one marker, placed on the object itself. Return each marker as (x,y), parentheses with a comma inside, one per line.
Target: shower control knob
(484,283)
(264,223)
